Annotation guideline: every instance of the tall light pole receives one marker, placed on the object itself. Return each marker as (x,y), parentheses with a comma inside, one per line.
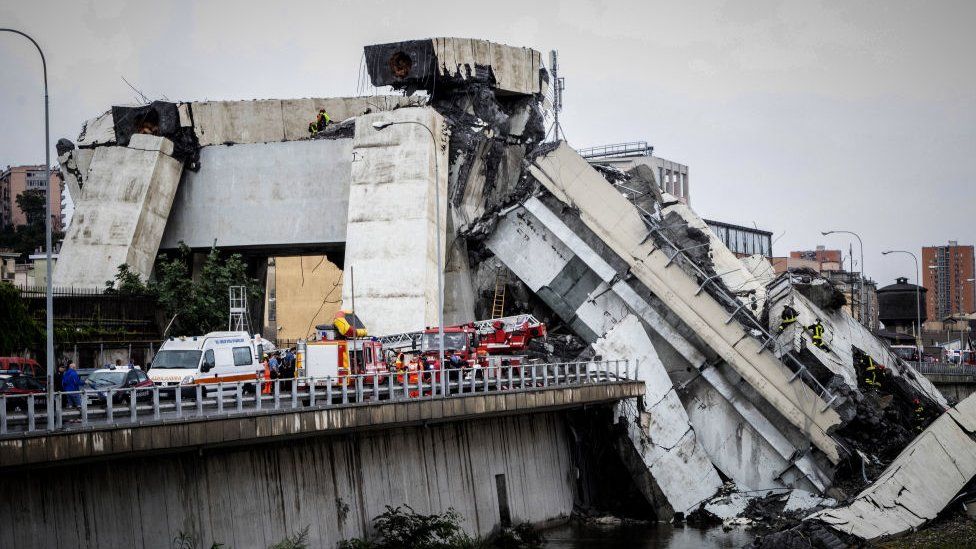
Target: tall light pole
(865,307)
(49,324)
(437,220)
(918,299)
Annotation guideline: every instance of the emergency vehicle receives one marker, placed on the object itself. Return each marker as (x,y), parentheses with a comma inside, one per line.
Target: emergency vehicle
(342,349)
(217,357)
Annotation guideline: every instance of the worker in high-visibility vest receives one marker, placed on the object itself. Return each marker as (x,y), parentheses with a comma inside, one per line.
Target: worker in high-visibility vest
(787,317)
(817,331)
(871,373)
(322,120)
(918,416)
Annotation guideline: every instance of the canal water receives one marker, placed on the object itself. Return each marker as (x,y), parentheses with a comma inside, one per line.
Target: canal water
(575,535)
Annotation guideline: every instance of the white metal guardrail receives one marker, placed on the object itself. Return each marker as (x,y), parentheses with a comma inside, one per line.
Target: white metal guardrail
(945,368)
(22,415)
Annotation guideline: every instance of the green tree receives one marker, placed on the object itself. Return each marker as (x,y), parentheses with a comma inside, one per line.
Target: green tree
(199,306)
(126,283)
(18,331)
(32,203)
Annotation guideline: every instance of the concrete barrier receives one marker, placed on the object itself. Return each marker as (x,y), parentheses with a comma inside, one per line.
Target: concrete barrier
(255,495)
(183,435)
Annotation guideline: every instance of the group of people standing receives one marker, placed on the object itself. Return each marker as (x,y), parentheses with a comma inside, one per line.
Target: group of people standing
(279,365)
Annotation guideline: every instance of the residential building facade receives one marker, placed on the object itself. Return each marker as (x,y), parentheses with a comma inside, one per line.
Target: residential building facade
(948,274)
(15,180)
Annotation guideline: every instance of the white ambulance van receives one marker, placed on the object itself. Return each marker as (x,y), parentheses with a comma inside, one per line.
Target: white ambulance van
(217,357)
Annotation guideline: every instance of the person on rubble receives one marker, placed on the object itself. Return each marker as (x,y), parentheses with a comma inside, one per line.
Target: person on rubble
(817,333)
(322,120)
(871,372)
(918,415)
(787,317)
(312,128)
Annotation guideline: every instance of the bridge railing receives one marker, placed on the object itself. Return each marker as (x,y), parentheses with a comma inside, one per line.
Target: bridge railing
(93,408)
(945,368)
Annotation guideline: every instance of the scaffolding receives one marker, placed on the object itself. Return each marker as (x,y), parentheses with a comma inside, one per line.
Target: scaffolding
(238,319)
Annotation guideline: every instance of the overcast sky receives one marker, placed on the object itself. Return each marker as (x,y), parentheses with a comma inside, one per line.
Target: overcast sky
(796,117)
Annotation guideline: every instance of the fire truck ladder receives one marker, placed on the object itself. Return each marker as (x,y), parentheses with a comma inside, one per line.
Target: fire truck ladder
(411,340)
(498,304)
(238,319)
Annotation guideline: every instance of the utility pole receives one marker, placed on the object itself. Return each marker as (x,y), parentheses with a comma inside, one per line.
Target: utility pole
(558,85)
(49,296)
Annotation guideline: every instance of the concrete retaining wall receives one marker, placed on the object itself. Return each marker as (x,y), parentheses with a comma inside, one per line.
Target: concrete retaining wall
(255,496)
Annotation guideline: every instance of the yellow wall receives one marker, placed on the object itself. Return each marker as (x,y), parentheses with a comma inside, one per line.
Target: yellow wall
(308,291)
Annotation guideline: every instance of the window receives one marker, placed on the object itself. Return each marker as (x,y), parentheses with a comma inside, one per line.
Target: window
(242,356)
(141,376)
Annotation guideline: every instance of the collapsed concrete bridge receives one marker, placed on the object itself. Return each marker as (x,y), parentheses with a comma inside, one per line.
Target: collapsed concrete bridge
(625,269)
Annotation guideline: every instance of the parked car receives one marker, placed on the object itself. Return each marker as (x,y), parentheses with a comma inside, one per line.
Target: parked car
(17,388)
(101,381)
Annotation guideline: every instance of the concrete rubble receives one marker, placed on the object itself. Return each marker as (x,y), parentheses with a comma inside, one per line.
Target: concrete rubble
(740,418)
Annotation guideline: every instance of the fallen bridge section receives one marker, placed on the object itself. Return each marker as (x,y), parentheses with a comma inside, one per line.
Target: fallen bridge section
(918,484)
(587,285)
(618,224)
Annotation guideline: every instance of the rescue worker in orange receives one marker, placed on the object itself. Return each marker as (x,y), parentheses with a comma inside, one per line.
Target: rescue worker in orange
(266,386)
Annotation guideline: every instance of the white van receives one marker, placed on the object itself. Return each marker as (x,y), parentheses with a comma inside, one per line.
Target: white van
(218,357)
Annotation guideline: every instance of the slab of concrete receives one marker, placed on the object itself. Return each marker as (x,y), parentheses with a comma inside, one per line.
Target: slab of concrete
(425,64)
(918,484)
(97,131)
(660,429)
(589,292)
(269,120)
(391,236)
(282,194)
(842,333)
(617,223)
(121,213)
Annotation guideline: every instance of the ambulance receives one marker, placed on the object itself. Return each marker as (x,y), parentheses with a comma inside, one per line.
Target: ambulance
(217,357)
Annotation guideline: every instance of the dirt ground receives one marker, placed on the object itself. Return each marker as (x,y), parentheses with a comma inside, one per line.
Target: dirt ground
(958,531)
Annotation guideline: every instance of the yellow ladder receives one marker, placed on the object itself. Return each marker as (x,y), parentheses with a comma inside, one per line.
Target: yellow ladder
(498,304)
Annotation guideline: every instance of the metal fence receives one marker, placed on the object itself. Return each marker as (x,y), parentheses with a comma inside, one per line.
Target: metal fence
(945,368)
(633,148)
(93,408)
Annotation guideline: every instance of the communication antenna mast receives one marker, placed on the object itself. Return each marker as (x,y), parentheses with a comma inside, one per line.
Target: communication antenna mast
(238,320)
(558,85)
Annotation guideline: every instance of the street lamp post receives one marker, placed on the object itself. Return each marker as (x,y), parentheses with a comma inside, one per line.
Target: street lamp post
(918,299)
(49,324)
(865,307)
(378,125)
